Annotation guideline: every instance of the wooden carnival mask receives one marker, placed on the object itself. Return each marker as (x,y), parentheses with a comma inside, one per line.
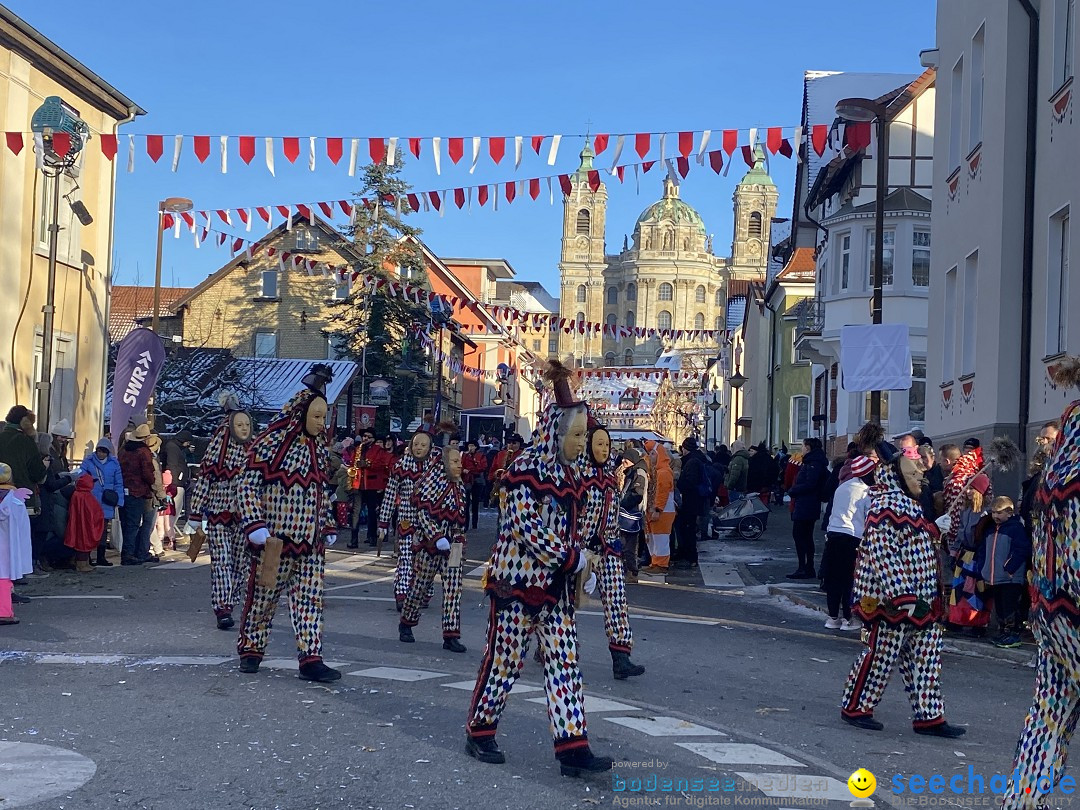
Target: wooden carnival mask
(572,439)
(452,463)
(420,446)
(600,447)
(315,418)
(240,427)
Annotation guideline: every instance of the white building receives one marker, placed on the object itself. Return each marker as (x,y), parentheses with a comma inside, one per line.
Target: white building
(1006,170)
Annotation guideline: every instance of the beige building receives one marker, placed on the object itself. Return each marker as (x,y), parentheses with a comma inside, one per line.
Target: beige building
(33,69)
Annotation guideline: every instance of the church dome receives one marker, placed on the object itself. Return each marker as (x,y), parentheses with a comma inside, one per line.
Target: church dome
(671,208)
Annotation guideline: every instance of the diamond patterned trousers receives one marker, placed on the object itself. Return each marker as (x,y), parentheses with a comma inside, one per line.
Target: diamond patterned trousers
(403,573)
(918,651)
(425,567)
(303,577)
(1055,708)
(611,585)
(509,630)
(228,566)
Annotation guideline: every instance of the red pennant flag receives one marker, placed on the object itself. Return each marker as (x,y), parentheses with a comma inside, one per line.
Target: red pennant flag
(223,215)
(108,145)
(326,208)
(346,208)
(436,200)
(594,180)
(247,148)
(748,155)
(61,143)
(774,136)
(202,147)
(377,149)
(244,215)
(648,164)
(642,143)
(511,191)
(857,135)
(155,147)
(497,148)
(785,148)
(455,148)
(221,238)
(684,165)
(414,202)
(189,218)
(819,136)
(686,144)
(482,195)
(291,148)
(238,245)
(459,197)
(167,222)
(15,141)
(534,187)
(565,184)
(731,140)
(285,211)
(414,146)
(334,149)
(716,160)
(537,142)
(621,172)
(600,143)
(304,211)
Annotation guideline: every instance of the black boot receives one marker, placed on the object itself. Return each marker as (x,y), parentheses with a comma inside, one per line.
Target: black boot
(318,671)
(101,561)
(249,664)
(484,750)
(942,729)
(582,761)
(622,667)
(453,645)
(404,633)
(866,722)
(225,621)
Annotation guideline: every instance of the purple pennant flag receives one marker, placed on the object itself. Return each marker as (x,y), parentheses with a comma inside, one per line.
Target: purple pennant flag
(139,361)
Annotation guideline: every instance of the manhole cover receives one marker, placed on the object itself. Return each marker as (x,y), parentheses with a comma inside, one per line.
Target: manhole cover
(32,773)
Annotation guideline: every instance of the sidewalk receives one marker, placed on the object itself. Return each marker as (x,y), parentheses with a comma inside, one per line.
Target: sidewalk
(776,559)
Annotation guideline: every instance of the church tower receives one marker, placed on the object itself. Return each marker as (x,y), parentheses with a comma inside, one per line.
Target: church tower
(582,264)
(755,206)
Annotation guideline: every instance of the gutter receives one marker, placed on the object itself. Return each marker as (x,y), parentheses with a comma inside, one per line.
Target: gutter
(1028,262)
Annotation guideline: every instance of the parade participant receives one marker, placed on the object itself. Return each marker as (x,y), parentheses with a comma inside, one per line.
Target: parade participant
(438,548)
(398,499)
(283,494)
(897,594)
(966,467)
(15,554)
(500,463)
(1043,747)
(600,536)
(530,582)
(474,465)
(213,498)
(370,468)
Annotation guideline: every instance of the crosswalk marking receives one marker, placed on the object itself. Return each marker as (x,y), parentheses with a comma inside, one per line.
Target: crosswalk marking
(720,575)
(181,565)
(81,596)
(467,686)
(185,660)
(76,658)
(478,571)
(399,674)
(797,786)
(739,754)
(663,726)
(291,664)
(594,704)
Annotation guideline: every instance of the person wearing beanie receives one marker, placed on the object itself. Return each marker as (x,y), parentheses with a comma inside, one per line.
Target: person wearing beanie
(103,467)
(847,520)
(19,451)
(693,485)
(738,471)
(956,485)
(633,497)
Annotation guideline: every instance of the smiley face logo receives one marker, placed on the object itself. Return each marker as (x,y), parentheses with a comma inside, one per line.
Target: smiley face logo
(862,784)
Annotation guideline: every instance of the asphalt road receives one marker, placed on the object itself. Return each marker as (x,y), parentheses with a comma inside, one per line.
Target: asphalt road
(120,692)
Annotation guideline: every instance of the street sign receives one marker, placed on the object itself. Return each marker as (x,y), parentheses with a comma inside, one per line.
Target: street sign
(379,392)
(395,424)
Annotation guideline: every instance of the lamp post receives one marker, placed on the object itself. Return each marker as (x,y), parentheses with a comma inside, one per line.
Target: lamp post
(736,381)
(171,205)
(864,110)
(714,406)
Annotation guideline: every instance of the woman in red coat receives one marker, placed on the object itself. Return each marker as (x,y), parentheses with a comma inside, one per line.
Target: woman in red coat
(86,522)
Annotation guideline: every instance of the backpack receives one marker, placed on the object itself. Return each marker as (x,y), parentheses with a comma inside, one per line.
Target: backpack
(710,482)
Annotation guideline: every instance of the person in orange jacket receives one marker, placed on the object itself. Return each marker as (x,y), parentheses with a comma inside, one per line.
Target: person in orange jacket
(660,516)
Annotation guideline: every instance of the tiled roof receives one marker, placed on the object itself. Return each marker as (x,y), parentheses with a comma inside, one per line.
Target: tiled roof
(800,267)
(779,231)
(130,305)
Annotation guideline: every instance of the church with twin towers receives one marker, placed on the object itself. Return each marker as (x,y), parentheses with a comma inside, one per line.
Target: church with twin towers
(666,276)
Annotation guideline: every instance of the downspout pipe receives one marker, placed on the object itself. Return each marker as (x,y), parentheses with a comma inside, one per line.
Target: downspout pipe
(1028,260)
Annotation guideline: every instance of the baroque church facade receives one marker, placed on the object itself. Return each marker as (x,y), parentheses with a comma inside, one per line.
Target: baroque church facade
(666,277)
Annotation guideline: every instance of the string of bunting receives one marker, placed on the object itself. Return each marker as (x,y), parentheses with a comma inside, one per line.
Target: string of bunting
(682,144)
(453,364)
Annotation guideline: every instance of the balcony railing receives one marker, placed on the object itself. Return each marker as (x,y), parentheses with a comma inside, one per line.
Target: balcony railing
(811,318)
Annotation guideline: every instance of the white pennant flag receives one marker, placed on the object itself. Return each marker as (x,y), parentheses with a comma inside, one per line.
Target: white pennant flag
(475,153)
(517,151)
(178,144)
(270,155)
(468,197)
(701,149)
(663,146)
(436,150)
(797,139)
(551,193)
(195,233)
(442,204)
(637,178)
(224,154)
(495,198)
(248,212)
(288,219)
(753,139)
(391,153)
(554,151)
(618,152)
(131,153)
(176,226)
(671,172)
(311,154)
(427,205)
(353,147)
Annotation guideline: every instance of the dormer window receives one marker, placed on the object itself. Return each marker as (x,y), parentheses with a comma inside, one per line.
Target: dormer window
(307,240)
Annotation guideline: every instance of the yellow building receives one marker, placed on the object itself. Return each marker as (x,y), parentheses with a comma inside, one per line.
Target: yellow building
(33,69)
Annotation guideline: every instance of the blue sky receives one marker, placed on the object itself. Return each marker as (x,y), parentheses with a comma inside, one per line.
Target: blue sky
(428,68)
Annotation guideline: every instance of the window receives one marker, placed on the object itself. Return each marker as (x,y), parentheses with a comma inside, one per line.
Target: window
(269,284)
(631,321)
(975,110)
(971,294)
(795,359)
(886,256)
(536,345)
(45,210)
(884,406)
(699,294)
(342,290)
(845,261)
(553,345)
(699,321)
(753,228)
(663,320)
(580,317)
(1064,31)
(1057,284)
(609,359)
(266,344)
(800,418)
(720,297)
(612,295)
(719,323)
(583,220)
(948,348)
(306,240)
(916,407)
(628,357)
(956,101)
(920,258)
(631,291)
(667,292)
(611,321)
(336,346)
(581,294)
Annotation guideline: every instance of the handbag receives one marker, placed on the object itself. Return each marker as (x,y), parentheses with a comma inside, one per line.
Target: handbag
(109,497)
(629,522)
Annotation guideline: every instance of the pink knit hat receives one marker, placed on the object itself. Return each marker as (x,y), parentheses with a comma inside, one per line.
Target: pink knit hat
(862,465)
(980,483)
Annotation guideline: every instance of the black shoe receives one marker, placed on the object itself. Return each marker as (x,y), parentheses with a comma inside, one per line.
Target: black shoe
(249,664)
(866,722)
(103,563)
(19,599)
(485,751)
(353,544)
(318,671)
(225,622)
(130,561)
(453,645)
(582,761)
(150,558)
(404,633)
(942,730)
(622,667)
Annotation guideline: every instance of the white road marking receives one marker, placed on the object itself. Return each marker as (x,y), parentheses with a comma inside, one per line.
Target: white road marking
(478,571)
(185,660)
(594,704)
(76,658)
(399,674)
(356,584)
(663,726)
(361,598)
(797,786)
(670,619)
(33,773)
(739,754)
(467,686)
(181,565)
(80,596)
(720,575)
(291,664)
(348,565)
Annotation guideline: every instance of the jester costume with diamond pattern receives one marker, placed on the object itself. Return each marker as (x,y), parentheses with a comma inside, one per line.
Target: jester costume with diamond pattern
(285,489)
(897,593)
(529,581)
(397,500)
(1055,619)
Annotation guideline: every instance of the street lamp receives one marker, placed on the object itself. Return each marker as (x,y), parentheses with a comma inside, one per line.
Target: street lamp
(170,205)
(736,381)
(863,110)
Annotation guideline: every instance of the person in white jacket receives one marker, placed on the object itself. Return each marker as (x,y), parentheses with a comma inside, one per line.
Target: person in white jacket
(846,523)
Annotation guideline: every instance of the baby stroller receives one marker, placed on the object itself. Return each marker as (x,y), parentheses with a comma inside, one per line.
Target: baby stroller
(747,517)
